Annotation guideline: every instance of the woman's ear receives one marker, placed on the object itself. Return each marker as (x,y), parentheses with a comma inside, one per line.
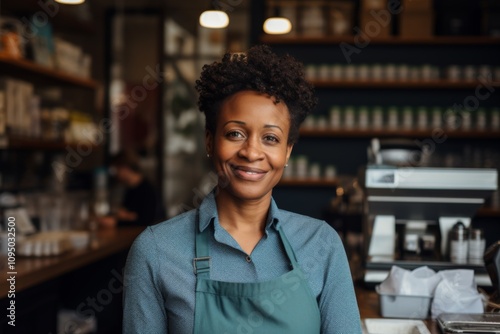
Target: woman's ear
(288,151)
(209,142)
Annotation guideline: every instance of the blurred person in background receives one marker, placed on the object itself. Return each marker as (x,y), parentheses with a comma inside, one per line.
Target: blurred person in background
(140,205)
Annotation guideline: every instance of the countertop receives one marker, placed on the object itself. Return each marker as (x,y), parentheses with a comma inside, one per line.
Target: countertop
(31,271)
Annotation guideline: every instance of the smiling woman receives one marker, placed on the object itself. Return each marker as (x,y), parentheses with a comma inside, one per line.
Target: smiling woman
(238,263)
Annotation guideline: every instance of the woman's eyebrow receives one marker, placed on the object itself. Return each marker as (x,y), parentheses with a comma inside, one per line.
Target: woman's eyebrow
(243,123)
(237,122)
(273,126)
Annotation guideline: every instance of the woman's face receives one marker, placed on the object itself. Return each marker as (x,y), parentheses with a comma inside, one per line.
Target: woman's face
(250,147)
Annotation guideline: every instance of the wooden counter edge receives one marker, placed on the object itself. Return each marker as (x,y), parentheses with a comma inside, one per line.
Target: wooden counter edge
(35,270)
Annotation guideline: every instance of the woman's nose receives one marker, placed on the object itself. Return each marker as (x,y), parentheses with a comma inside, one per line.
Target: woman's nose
(251,150)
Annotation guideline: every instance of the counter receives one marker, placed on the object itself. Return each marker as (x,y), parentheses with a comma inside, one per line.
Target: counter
(32,271)
(369,307)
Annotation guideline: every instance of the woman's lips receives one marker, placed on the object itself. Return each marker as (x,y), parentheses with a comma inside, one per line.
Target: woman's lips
(247,173)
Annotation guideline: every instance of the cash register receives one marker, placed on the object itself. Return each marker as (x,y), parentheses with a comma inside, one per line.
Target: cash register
(410,211)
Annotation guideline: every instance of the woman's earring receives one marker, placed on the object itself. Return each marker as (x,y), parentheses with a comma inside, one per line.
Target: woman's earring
(208,155)
(286,165)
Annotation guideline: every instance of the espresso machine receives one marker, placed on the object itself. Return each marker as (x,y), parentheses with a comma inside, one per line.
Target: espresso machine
(410,212)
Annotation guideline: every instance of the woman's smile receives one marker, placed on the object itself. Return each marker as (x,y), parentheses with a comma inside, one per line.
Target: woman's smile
(248,173)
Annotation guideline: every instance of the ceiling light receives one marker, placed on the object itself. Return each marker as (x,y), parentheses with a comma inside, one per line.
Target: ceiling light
(214,19)
(277,25)
(71,2)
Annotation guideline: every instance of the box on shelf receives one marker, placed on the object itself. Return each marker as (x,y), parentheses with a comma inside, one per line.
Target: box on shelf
(341,17)
(375,26)
(416,24)
(417,5)
(367,5)
(404,306)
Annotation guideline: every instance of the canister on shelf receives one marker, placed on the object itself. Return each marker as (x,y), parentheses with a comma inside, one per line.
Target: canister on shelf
(301,166)
(377,117)
(426,72)
(481,119)
(477,245)
(349,117)
(315,171)
(459,243)
(363,117)
(330,172)
(338,72)
(403,72)
(436,117)
(407,117)
(422,118)
(377,72)
(485,71)
(393,118)
(335,118)
(470,73)
(363,72)
(390,72)
(454,73)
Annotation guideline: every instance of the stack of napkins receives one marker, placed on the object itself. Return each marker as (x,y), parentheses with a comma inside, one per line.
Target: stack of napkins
(453,291)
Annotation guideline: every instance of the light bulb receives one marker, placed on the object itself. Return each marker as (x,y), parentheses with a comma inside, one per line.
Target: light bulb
(214,19)
(277,25)
(71,2)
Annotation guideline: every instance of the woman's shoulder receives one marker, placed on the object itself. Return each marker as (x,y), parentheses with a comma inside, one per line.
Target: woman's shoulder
(307,227)
(300,219)
(173,228)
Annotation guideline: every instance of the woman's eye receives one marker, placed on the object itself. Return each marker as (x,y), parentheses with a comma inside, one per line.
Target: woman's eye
(234,134)
(271,139)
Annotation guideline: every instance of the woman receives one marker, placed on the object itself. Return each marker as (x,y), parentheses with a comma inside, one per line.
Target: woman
(238,264)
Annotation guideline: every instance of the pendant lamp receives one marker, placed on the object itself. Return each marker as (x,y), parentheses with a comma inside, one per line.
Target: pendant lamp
(276,24)
(214,19)
(70,2)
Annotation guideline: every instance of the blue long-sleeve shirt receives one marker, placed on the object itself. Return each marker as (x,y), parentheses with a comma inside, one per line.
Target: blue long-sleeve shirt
(159,293)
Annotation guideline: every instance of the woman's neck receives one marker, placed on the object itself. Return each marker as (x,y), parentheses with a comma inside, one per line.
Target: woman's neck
(245,220)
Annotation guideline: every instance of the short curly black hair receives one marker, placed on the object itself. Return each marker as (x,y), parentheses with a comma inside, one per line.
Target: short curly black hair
(261,70)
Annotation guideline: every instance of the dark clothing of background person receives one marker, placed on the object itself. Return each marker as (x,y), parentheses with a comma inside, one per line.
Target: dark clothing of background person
(143,200)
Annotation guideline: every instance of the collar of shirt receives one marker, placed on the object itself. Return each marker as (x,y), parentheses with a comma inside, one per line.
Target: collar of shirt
(207,213)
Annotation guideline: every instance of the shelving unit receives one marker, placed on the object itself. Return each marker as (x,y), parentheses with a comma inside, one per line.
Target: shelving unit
(25,149)
(27,67)
(431,84)
(41,144)
(340,145)
(435,40)
(384,133)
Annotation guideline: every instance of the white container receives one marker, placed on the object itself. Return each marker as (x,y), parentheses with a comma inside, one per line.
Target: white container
(386,326)
(403,306)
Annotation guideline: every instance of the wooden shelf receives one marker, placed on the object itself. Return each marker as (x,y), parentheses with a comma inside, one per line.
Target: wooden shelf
(308,182)
(395,40)
(357,133)
(40,144)
(29,67)
(431,84)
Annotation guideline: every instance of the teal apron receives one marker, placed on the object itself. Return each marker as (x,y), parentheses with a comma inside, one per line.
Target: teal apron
(283,305)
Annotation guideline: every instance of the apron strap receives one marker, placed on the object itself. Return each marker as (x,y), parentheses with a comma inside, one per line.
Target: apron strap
(201,263)
(288,249)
